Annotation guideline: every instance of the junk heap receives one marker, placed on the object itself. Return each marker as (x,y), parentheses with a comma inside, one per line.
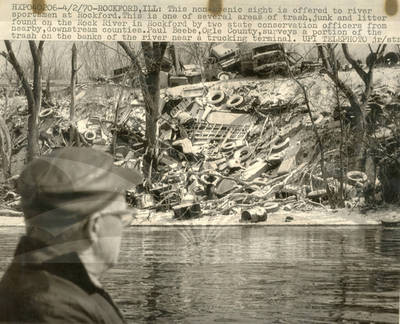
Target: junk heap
(242,147)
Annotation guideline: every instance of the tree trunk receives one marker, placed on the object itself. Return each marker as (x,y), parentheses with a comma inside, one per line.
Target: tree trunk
(359,138)
(73,133)
(6,100)
(33,132)
(73,76)
(117,109)
(33,96)
(358,105)
(5,146)
(48,90)
(152,115)
(150,85)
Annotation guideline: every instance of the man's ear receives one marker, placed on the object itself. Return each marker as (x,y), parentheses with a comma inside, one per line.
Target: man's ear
(93,228)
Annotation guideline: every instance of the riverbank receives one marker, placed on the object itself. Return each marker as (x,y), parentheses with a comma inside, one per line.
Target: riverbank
(316,217)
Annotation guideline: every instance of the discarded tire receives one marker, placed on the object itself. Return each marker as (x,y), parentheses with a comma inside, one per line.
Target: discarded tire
(216,97)
(46,112)
(223,76)
(356,177)
(391,58)
(271,207)
(235,101)
(243,154)
(228,146)
(276,148)
(90,135)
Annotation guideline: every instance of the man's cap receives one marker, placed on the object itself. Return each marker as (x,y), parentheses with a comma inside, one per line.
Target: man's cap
(64,187)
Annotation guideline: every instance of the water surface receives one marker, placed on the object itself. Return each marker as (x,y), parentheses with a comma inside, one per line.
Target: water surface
(253,274)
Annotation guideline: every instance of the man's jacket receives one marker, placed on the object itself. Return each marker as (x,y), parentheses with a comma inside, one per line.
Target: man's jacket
(39,289)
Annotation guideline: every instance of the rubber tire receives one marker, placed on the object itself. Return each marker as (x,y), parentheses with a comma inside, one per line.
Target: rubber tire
(90,135)
(356,177)
(46,112)
(276,148)
(246,156)
(230,103)
(220,74)
(228,146)
(220,97)
(392,56)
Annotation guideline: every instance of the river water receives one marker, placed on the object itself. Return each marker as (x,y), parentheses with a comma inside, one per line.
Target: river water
(253,274)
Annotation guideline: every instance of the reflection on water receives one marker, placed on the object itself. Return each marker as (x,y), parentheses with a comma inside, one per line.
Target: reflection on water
(254,274)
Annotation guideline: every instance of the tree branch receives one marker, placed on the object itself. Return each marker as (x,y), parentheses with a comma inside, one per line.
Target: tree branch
(148,55)
(142,80)
(41,44)
(363,75)
(21,75)
(323,57)
(34,51)
(37,68)
(163,48)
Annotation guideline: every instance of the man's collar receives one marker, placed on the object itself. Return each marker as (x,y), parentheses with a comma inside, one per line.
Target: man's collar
(33,253)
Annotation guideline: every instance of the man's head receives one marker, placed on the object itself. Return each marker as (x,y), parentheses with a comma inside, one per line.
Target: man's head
(74,198)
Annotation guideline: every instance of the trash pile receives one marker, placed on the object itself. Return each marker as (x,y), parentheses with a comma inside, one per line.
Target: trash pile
(242,147)
(239,149)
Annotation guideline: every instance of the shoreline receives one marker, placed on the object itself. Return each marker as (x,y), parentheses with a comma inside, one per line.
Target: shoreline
(316,217)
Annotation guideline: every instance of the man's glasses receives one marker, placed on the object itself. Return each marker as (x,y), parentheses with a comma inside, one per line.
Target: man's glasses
(126,216)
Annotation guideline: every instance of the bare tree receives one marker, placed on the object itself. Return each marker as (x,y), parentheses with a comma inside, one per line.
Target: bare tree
(33,94)
(54,66)
(317,136)
(197,53)
(73,133)
(153,54)
(358,104)
(98,59)
(5,148)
